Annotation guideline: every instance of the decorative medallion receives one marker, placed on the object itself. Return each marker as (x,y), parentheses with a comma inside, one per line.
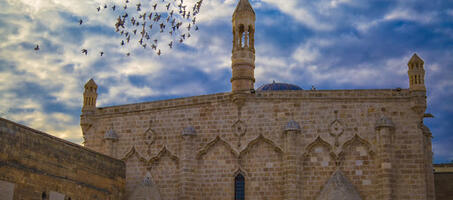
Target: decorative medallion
(149,136)
(336,129)
(239,129)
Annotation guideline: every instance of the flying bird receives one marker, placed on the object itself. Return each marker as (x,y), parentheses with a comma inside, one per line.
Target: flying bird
(80,21)
(171,44)
(154,6)
(85,51)
(37,48)
(99,8)
(113,7)
(168,6)
(102,53)
(158,53)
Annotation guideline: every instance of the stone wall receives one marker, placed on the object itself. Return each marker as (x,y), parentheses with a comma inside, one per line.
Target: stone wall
(35,165)
(444,185)
(443,179)
(374,137)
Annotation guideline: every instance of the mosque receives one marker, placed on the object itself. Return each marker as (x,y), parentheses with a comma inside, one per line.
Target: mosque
(276,142)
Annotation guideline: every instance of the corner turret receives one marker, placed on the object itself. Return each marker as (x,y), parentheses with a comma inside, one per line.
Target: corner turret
(416,74)
(89,97)
(243,58)
(89,106)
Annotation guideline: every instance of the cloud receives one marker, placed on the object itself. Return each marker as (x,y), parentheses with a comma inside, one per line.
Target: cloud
(333,44)
(408,15)
(301,13)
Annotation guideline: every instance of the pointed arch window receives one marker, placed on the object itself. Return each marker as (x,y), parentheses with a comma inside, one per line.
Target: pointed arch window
(239,187)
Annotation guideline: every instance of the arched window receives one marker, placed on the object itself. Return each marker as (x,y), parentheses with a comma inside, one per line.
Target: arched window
(239,187)
(44,196)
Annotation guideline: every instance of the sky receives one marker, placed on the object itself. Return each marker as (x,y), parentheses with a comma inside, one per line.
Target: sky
(331,44)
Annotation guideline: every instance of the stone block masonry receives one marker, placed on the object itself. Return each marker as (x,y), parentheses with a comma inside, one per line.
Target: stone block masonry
(286,144)
(35,165)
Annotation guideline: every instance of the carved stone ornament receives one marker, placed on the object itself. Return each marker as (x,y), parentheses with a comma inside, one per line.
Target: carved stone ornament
(336,129)
(338,187)
(149,137)
(292,126)
(239,128)
(147,190)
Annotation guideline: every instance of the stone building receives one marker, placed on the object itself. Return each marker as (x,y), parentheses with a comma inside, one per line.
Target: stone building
(37,166)
(443,181)
(276,142)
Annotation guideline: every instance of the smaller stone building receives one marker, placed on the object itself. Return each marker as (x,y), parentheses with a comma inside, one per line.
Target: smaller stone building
(443,181)
(36,165)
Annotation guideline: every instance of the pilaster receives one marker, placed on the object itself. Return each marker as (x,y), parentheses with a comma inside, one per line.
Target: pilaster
(291,135)
(110,139)
(385,130)
(188,164)
(429,175)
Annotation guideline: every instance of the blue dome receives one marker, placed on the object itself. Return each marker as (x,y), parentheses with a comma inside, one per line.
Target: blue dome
(278,87)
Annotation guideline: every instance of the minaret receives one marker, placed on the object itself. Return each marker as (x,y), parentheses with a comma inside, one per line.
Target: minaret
(89,97)
(416,74)
(243,58)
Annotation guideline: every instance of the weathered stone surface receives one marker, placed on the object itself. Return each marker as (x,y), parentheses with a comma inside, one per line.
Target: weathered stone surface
(443,179)
(56,196)
(338,187)
(146,191)
(6,190)
(39,164)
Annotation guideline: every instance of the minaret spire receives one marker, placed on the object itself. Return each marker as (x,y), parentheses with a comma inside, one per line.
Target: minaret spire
(416,73)
(243,58)
(89,97)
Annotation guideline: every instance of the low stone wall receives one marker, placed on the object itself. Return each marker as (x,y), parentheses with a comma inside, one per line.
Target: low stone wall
(35,165)
(443,180)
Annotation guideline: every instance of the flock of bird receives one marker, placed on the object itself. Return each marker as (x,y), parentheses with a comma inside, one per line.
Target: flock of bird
(143,25)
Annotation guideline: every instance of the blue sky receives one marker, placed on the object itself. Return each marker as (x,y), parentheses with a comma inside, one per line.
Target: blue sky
(332,44)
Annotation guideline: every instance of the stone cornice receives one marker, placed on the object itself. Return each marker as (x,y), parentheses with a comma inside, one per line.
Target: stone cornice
(373,95)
